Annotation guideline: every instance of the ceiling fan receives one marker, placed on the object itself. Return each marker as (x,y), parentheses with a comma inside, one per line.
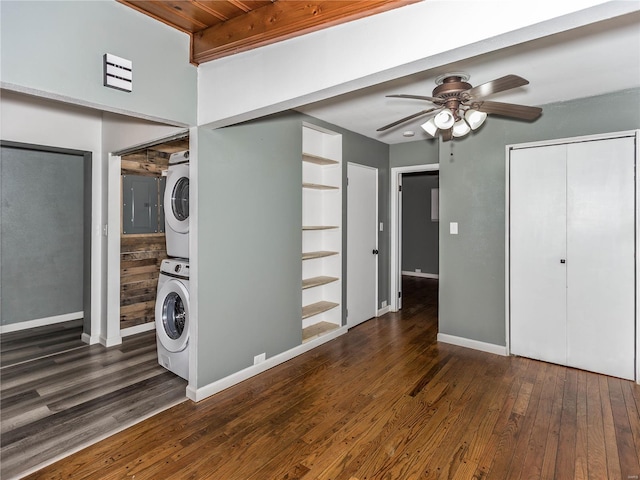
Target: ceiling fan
(462,108)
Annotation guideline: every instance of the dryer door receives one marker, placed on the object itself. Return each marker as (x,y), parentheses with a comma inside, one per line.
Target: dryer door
(172,316)
(176,198)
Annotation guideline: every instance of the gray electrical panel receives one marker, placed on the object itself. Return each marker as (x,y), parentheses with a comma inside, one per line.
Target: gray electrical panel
(142,210)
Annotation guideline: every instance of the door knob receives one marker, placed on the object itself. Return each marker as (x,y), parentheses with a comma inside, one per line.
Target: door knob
(375,252)
(562,260)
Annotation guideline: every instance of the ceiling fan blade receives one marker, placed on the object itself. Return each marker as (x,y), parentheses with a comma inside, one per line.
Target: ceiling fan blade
(417,97)
(402,120)
(498,85)
(508,109)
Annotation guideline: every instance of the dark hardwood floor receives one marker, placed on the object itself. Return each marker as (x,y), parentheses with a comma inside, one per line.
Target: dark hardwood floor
(386,401)
(58,394)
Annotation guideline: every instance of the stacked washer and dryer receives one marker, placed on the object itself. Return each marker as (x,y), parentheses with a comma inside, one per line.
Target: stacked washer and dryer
(172,301)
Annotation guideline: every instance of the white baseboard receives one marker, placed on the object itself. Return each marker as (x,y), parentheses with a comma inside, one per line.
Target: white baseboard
(144,327)
(420,274)
(474,344)
(197,394)
(90,339)
(111,341)
(41,322)
(382,311)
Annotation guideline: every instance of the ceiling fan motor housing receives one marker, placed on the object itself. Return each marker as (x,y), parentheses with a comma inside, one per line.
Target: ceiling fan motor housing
(450,91)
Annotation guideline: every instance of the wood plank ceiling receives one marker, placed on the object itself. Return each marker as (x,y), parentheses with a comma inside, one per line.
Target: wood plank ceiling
(223,27)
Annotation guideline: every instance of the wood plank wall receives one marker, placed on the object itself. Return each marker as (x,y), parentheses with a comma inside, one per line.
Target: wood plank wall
(141,254)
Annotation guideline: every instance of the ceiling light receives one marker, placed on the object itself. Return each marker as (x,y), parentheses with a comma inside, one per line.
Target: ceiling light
(475,118)
(430,127)
(445,119)
(461,128)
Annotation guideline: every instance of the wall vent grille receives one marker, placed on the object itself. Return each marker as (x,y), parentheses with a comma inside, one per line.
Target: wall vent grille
(118,73)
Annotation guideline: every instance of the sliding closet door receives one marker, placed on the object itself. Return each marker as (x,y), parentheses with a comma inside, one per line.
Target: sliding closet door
(600,263)
(538,246)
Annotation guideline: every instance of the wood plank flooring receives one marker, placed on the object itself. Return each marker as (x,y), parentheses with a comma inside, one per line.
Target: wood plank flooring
(386,401)
(58,394)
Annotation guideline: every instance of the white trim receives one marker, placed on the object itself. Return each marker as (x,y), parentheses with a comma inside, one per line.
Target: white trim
(41,322)
(382,311)
(90,339)
(98,271)
(193,258)
(474,344)
(143,327)
(507,251)
(211,389)
(420,274)
(567,140)
(102,107)
(637,161)
(110,333)
(395,227)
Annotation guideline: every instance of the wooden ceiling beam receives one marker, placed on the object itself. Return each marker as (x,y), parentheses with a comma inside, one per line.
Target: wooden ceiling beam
(280,20)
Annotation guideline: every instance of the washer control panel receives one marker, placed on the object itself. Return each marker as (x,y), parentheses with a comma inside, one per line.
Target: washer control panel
(175,267)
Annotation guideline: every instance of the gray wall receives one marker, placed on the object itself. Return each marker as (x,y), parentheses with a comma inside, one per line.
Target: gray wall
(249,233)
(419,232)
(472,193)
(413,153)
(56,48)
(42,223)
(249,295)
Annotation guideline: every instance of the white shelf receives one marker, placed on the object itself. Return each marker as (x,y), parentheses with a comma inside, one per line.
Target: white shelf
(318,160)
(318,308)
(322,221)
(316,330)
(319,254)
(319,227)
(317,186)
(317,281)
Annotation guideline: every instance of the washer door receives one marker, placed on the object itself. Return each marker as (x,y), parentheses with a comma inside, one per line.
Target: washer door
(172,316)
(176,198)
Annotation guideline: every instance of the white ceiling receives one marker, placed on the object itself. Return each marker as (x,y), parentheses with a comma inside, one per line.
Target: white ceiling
(596,59)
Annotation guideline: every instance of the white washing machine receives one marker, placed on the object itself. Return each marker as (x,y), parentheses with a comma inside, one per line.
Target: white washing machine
(176,205)
(172,316)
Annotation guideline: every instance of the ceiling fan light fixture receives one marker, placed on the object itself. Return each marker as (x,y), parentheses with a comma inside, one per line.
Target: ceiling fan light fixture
(430,127)
(460,128)
(445,119)
(475,118)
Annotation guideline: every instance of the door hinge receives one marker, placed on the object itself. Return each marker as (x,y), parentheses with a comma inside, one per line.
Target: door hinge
(347,181)
(399,188)
(399,294)
(346,313)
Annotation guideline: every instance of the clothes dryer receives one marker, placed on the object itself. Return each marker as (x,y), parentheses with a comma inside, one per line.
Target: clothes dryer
(176,205)
(172,317)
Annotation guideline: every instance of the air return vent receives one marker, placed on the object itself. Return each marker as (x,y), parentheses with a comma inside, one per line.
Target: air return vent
(118,72)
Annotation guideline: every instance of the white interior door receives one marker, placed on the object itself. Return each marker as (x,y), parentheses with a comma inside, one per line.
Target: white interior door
(601,257)
(362,243)
(538,248)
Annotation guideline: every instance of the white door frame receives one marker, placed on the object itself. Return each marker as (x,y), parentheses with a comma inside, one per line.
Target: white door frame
(605,136)
(110,333)
(375,306)
(396,204)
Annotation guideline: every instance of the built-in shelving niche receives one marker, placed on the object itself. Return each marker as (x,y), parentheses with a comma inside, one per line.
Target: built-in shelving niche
(321,231)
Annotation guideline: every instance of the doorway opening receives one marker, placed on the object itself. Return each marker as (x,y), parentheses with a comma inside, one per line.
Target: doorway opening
(46,238)
(397,229)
